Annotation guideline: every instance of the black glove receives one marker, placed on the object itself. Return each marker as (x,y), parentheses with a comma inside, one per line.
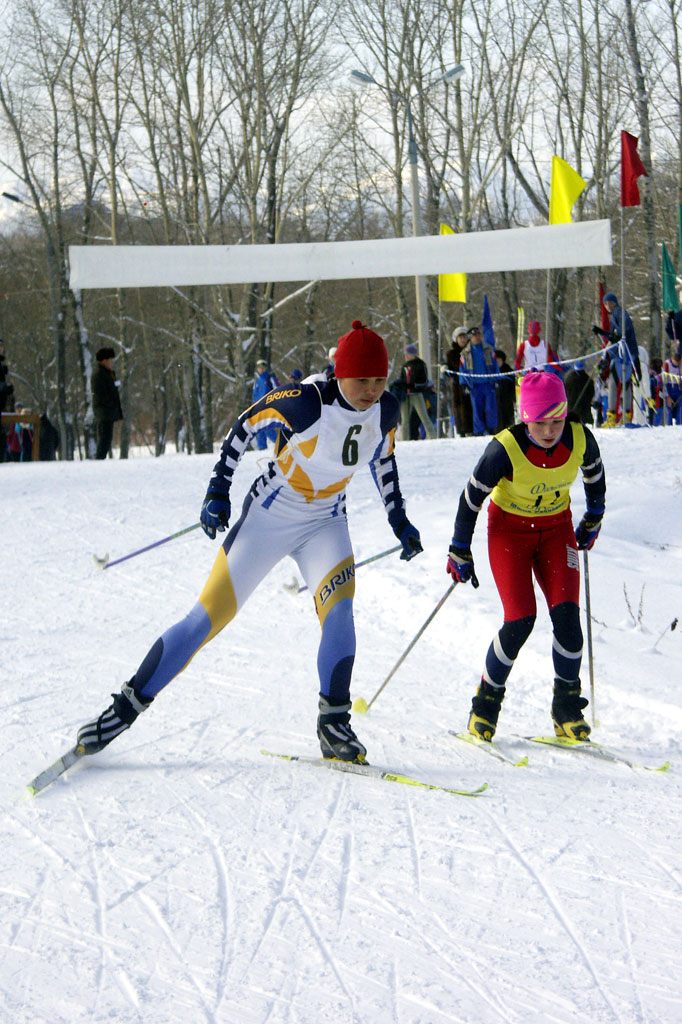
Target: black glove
(599,331)
(671,314)
(215,513)
(638,368)
(407,534)
(587,531)
(410,540)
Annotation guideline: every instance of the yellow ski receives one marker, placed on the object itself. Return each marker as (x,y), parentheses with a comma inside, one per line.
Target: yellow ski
(55,770)
(374,772)
(595,750)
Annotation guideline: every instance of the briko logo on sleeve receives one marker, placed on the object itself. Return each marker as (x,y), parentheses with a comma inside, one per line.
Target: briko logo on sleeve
(287,393)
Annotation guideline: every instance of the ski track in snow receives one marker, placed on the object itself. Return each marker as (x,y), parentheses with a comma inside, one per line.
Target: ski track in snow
(181,877)
(565,922)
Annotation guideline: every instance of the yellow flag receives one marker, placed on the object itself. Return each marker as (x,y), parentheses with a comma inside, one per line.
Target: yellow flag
(565,187)
(451,287)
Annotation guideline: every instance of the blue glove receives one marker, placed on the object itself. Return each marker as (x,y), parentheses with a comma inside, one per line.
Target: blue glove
(587,532)
(407,534)
(461,566)
(410,540)
(215,513)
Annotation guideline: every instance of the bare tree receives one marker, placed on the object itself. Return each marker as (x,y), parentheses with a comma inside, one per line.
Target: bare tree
(647,190)
(180,103)
(273,60)
(32,103)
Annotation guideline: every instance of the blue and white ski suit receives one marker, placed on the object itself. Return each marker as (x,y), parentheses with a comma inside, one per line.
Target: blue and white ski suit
(296,507)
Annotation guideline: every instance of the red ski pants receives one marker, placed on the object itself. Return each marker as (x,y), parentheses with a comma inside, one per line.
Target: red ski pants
(520,547)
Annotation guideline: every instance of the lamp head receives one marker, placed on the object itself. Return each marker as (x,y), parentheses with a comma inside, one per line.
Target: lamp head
(454,73)
(360,76)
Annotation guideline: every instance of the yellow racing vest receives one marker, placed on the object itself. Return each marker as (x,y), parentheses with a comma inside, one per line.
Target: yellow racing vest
(537,490)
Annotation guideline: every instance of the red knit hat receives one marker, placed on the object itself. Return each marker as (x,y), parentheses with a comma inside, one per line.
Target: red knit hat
(361,353)
(543,397)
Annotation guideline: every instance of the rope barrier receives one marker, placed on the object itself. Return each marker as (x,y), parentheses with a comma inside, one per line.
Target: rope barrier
(559,364)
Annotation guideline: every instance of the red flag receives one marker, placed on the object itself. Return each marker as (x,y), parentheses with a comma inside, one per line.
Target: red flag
(630,169)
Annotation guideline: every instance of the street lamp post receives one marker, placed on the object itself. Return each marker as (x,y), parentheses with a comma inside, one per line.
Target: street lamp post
(423,333)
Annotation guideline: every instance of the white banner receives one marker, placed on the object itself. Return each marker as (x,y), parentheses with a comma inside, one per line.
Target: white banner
(145,266)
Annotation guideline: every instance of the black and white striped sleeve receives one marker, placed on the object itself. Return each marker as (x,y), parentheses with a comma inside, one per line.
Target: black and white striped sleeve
(383,465)
(491,467)
(594,478)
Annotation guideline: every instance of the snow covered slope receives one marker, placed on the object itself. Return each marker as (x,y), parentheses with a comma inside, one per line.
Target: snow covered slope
(182,877)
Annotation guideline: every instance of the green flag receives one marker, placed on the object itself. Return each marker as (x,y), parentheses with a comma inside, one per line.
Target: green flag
(668,274)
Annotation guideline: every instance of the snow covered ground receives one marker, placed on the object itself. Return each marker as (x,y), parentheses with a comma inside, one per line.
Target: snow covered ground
(180,876)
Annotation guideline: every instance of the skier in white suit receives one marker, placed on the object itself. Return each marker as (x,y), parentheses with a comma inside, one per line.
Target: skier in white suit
(325,432)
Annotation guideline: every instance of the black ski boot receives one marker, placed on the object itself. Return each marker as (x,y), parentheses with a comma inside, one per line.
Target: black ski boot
(485,710)
(118,717)
(567,711)
(337,739)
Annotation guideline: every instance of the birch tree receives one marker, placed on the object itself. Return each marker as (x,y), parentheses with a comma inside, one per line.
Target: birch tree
(32,105)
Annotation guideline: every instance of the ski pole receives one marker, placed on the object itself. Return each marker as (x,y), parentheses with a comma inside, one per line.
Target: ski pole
(104,563)
(588,611)
(295,589)
(360,704)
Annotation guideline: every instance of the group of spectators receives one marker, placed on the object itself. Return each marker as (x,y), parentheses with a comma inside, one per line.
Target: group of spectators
(483,385)
(16,434)
(665,385)
(482,397)
(621,368)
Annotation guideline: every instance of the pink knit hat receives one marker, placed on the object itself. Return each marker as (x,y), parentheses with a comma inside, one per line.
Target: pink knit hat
(543,397)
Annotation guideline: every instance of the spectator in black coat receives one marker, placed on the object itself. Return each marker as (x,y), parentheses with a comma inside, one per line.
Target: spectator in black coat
(580,391)
(461,400)
(415,377)
(48,439)
(6,398)
(106,403)
(506,392)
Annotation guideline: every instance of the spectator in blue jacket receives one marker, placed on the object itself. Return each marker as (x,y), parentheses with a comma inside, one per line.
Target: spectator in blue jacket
(265,382)
(624,358)
(479,363)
